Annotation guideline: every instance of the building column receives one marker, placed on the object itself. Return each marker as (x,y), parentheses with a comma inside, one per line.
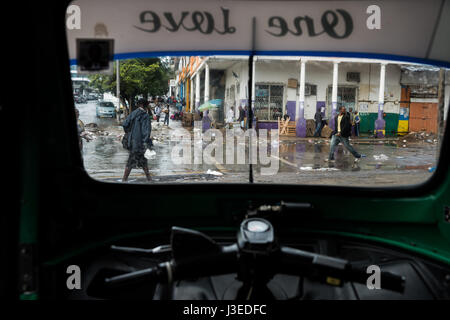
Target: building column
(334,96)
(118,87)
(206,83)
(197,91)
(186,96)
(300,114)
(252,102)
(253,97)
(380,123)
(206,123)
(191,105)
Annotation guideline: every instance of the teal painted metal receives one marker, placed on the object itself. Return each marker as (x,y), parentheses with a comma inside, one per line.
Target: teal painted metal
(367,124)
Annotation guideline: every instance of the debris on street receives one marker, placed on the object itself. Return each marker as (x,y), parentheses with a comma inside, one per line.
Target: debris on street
(381,157)
(214,173)
(414,137)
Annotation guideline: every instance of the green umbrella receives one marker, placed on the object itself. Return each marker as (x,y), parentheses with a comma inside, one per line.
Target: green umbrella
(207,106)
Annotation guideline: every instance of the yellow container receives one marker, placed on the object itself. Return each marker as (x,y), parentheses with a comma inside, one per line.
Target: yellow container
(403,127)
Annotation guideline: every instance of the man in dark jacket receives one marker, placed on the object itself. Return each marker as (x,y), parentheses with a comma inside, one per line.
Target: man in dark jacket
(318,119)
(241,117)
(138,125)
(343,130)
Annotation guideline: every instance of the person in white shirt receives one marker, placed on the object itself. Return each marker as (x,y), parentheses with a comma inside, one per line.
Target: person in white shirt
(157,112)
(230,117)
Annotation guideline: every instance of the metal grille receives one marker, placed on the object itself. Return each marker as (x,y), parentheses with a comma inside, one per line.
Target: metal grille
(268,101)
(346,96)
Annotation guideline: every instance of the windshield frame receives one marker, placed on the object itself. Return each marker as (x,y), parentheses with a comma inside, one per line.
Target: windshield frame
(438,177)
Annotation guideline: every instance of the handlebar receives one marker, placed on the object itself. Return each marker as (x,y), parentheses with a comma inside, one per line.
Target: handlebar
(289,261)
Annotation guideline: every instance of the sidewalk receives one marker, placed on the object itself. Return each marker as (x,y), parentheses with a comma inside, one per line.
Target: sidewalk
(355,140)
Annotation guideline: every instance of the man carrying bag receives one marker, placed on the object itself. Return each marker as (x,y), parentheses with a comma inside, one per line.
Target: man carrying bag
(137,140)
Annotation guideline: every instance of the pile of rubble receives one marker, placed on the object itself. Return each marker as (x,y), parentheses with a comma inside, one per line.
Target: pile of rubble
(91,127)
(422,136)
(92,131)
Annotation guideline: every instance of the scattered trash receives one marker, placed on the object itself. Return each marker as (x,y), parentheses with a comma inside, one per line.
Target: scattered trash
(420,137)
(317,169)
(91,126)
(214,173)
(381,157)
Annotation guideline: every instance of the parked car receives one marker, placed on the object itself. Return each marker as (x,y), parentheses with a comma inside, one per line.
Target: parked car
(80,99)
(92,96)
(105,109)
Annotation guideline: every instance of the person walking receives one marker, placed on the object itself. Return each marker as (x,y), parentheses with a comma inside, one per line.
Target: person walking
(352,121)
(80,129)
(357,121)
(230,117)
(157,112)
(241,117)
(341,133)
(166,117)
(318,119)
(82,134)
(138,127)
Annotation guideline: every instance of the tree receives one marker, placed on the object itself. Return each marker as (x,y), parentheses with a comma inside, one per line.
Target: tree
(143,76)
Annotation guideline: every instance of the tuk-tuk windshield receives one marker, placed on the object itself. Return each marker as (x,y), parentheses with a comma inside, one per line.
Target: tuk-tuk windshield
(292,92)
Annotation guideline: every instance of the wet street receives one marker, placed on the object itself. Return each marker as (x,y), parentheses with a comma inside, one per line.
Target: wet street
(388,162)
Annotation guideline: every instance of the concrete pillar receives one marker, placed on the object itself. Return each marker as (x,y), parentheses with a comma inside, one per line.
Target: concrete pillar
(191,104)
(253,84)
(253,97)
(186,89)
(206,123)
(334,95)
(197,91)
(206,83)
(300,115)
(118,87)
(380,123)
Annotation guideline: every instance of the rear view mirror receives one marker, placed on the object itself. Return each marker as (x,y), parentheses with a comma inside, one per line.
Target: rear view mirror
(95,55)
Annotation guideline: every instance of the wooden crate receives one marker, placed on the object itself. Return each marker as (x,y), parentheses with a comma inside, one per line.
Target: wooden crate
(188,119)
(286,130)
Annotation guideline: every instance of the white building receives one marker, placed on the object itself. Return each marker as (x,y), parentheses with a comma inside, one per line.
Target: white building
(79,82)
(326,84)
